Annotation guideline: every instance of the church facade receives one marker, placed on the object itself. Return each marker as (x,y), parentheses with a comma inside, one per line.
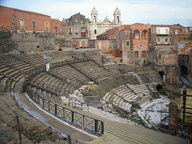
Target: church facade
(97,28)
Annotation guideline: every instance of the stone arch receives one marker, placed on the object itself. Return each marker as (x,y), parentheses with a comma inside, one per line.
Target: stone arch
(159,87)
(136,34)
(184,70)
(144,34)
(162,74)
(38,49)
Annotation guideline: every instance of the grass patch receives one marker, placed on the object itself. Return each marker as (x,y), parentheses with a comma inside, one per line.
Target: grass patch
(165,94)
(1,93)
(115,85)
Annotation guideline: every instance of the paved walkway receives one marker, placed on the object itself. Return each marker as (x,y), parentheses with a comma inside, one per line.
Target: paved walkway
(115,132)
(45,117)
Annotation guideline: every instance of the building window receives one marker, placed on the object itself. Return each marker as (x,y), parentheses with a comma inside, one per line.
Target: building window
(95,31)
(169,39)
(76,30)
(34,26)
(22,25)
(95,19)
(118,19)
(56,29)
(166,39)
(158,39)
(76,20)
(136,54)
(70,30)
(144,34)
(46,26)
(112,45)
(83,29)
(159,57)
(128,54)
(143,54)
(127,43)
(166,31)
(176,32)
(136,34)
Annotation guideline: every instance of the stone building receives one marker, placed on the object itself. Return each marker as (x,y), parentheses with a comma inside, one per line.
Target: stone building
(128,42)
(136,51)
(163,50)
(185,59)
(76,27)
(97,28)
(17,21)
(110,42)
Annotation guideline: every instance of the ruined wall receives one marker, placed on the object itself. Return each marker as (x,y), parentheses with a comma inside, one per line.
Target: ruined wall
(166,55)
(174,116)
(28,42)
(171,73)
(6,43)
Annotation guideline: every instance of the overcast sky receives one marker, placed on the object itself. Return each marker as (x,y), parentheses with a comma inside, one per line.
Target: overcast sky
(132,11)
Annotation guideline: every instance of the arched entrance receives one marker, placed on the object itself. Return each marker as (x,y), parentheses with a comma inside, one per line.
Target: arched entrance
(159,88)
(38,49)
(184,71)
(162,74)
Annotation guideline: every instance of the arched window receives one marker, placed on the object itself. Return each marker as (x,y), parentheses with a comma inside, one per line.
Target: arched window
(118,19)
(70,30)
(22,25)
(136,54)
(136,34)
(46,26)
(95,31)
(95,19)
(144,34)
(56,29)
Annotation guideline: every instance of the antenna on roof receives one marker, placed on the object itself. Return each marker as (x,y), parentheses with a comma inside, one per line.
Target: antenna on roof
(174,17)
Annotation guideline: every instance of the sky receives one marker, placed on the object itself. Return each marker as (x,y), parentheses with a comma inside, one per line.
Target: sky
(132,11)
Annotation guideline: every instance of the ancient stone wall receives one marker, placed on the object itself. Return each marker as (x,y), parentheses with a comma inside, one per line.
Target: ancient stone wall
(6,43)
(28,42)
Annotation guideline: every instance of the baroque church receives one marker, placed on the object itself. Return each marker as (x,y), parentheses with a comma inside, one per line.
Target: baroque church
(97,28)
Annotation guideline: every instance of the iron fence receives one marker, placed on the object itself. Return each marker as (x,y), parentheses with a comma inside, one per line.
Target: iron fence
(84,122)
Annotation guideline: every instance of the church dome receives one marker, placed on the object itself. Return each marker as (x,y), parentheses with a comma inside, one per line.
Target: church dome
(117,12)
(106,20)
(94,11)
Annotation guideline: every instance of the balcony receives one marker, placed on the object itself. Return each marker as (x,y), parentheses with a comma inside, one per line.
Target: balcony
(83,33)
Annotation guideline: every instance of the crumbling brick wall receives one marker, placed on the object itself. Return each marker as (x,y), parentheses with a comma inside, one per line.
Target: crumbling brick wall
(174,116)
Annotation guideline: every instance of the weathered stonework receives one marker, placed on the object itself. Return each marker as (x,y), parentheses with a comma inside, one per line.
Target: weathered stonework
(28,42)
(6,43)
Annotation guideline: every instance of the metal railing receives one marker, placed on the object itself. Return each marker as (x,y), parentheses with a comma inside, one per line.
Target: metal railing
(84,122)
